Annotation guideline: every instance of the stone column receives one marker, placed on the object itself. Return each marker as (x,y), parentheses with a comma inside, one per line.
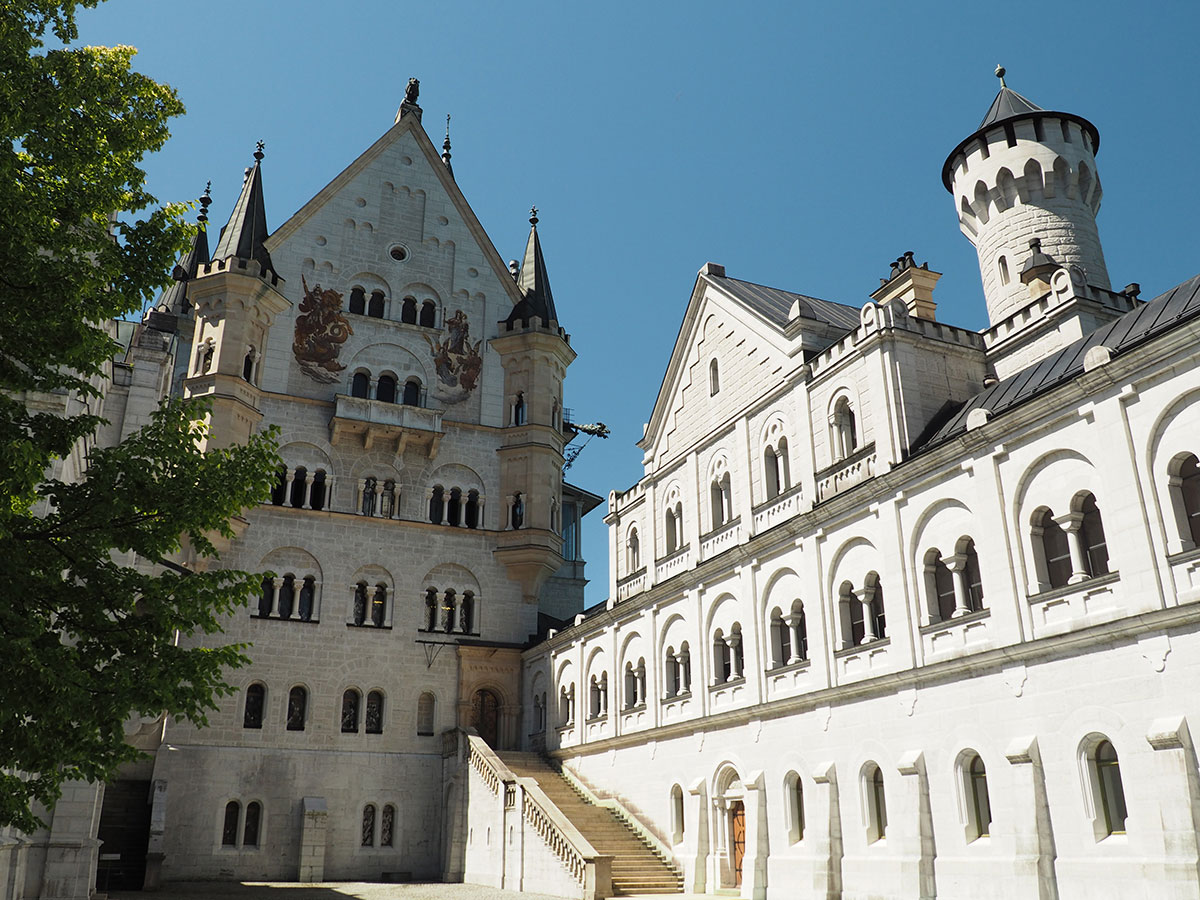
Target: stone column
(287,487)
(1072,523)
(278,583)
(377,508)
(604,694)
(312,840)
(358,496)
(308,480)
(1033,839)
(864,596)
(640,685)
(962,595)
(734,642)
(793,626)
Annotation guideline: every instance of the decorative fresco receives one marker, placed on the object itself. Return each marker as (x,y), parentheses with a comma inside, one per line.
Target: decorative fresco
(321,329)
(456,360)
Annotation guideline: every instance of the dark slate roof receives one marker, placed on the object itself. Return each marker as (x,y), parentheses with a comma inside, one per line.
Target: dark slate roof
(243,236)
(775,305)
(534,282)
(174,298)
(1008,105)
(1150,320)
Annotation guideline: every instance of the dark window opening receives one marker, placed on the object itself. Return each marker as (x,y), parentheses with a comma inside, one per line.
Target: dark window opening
(255,700)
(375,307)
(358,300)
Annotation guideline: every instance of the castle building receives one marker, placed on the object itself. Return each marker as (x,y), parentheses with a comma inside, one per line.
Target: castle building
(898,610)
(901,609)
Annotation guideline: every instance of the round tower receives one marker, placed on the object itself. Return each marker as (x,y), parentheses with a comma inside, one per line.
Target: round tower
(1025,174)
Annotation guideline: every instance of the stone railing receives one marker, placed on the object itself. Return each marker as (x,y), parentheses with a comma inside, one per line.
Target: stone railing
(676,562)
(486,763)
(631,584)
(778,508)
(846,473)
(716,541)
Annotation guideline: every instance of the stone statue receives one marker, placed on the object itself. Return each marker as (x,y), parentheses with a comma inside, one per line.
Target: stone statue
(412,91)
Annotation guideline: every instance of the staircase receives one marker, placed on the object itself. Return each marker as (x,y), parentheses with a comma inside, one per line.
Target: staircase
(636,867)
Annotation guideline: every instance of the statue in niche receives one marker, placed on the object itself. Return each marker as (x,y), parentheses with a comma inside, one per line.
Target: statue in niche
(321,329)
(456,361)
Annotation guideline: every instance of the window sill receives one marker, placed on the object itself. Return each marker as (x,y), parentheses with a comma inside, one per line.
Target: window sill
(862,648)
(594,720)
(681,696)
(790,667)
(732,682)
(641,707)
(1184,556)
(1078,587)
(289,619)
(943,624)
(369,627)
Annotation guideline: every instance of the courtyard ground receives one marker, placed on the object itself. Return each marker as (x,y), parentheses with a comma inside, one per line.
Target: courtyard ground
(227,890)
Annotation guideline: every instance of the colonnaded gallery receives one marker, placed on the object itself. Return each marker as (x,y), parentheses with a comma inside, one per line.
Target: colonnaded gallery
(898,610)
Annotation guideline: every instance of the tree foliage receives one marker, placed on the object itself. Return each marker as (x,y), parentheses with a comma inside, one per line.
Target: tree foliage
(89,632)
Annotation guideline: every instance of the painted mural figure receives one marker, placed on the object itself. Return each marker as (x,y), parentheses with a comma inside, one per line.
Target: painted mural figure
(321,329)
(456,360)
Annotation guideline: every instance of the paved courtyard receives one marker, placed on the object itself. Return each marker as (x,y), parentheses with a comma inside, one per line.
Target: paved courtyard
(334,890)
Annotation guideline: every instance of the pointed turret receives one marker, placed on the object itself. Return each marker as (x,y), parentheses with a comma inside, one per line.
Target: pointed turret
(534,282)
(242,238)
(174,300)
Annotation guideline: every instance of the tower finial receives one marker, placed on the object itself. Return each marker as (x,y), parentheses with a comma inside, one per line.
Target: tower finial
(1000,74)
(205,200)
(533,218)
(258,151)
(446,142)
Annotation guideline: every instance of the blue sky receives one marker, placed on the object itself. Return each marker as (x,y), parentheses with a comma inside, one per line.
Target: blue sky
(798,144)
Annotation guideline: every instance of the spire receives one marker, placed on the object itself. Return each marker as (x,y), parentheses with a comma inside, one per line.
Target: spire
(446,148)
(533,281)
(174,299)
(242,238)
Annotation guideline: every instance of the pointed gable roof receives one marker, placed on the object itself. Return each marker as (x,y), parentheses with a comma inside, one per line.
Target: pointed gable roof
(534,282)
(244,235)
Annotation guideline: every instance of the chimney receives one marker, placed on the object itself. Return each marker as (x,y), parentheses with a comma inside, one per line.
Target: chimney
(911,283)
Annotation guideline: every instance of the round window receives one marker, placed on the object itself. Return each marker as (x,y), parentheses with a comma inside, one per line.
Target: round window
(398,253)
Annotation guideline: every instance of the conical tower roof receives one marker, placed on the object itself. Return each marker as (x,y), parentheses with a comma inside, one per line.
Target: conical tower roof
(534,282)
(174,299)
(1008,105)
(244,234)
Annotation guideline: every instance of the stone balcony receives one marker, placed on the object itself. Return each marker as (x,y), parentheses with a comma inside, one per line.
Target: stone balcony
(670,565)
(777,509)
(846,473)
(631,584)
(728,535)
(368,423)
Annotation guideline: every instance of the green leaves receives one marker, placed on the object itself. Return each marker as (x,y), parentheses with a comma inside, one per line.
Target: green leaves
(93,608)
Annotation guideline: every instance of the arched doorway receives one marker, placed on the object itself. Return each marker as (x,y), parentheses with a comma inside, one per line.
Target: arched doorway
(485,716)
(729,827)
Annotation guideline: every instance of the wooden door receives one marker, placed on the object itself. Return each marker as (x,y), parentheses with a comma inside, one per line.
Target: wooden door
(737,816)
(485,716)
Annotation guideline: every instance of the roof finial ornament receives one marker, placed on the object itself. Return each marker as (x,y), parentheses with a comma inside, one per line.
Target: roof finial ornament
(1000,71)
(412,91)
(533,219)
(205,200)
(258,151)
(446,143)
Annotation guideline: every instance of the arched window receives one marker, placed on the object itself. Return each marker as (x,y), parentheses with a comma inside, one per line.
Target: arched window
(387,826)
(287,596)
(387,499)
(781,640)
(308,597)
(566,707)
(1002,268)
(454,507)
(979,806)
(279,490)
(845,431)
(518,410)
(633,557)
(299,486)
(943,584)
(374,719)
(204,359)
(250,829)
(449,605)
(722,506)
(518,510)
(375,306)
(266,600)
(1055,550)
(855,617)
(358,300)
(431,609)
(385,389)
(471,511)
(316,493)
(248,366)
(466,613)
(412,392)
(1091,534)
(630,687)
(714,379)
(973,577)
(368,825)
(673,520)
(408,311)
(256,696)
(379,605)
(350,702)
(794,792)
(359,613)
(360,385)
(876,804)
(1112,792)
(367,506)
(229,831)
(1187,496)
(676,814)
(297,708)
(877,612)
(436,504)
(771,481)
(428,314)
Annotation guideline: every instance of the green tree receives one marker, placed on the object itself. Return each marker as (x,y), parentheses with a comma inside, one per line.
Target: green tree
(88,637)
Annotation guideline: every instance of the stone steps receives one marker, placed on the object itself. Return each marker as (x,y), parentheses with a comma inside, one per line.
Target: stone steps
(636,867)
